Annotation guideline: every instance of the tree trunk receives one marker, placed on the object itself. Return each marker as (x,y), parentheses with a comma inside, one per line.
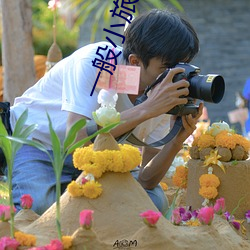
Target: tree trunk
(17,47)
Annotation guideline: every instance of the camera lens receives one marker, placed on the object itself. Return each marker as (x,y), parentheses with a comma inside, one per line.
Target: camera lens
(209,88)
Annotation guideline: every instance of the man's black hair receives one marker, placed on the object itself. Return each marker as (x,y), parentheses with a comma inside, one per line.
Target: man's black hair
(162,34)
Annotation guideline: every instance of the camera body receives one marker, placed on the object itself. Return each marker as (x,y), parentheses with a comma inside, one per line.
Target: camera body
(209,88)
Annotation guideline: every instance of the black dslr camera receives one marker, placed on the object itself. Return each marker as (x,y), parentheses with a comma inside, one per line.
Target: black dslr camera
(209,88)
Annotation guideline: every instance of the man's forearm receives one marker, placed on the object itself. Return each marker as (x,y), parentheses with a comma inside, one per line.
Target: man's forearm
(151,174)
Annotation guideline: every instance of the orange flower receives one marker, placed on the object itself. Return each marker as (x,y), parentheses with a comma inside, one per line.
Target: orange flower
(209,180)
(164,186)
(180,177)
(226,140)
(208,192)
(242,141)
(206,141)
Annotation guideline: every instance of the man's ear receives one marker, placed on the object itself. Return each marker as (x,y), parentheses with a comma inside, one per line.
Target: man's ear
(134,60)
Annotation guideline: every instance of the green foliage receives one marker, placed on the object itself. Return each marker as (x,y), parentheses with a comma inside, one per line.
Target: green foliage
(99,10)
(9,149)
(42,19)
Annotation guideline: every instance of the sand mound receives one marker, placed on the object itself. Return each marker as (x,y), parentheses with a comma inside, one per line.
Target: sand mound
(117,224)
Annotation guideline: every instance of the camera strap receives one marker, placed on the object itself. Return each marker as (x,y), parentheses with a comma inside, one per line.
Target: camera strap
(131,138)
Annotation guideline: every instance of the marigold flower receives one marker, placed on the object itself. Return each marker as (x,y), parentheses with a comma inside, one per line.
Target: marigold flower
(180,177)
(208,192)
(206,141)
(8,243)
(86,218)
(150,217)
(98,162)
(242,141)
(92,189)
(206,215)
(26,201)
(67,242)
(209,180)
(75,189)
(219,206)
(94,169)
(27,240)
(226,140)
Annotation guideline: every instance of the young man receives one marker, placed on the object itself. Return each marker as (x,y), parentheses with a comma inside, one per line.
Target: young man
(154,41)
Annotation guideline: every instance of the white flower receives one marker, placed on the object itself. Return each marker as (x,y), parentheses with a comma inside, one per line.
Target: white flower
(107,98)
(217,127)
(105,116)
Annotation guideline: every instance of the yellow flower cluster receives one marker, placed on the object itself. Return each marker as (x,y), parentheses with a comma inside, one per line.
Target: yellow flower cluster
(90,189)
(208,186)
(27,240)
(180,177)
(98,162)
(226,139)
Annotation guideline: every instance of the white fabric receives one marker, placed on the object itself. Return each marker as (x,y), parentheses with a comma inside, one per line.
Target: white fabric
(67,87)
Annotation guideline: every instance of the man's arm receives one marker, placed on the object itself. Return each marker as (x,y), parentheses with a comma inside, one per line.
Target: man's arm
(152,172)
(163,98)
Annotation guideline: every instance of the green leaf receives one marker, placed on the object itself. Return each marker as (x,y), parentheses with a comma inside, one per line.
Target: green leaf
(56,147)
(20,123)
(71,136)
(32,143)
(172,207)
(5,144)
(23,134)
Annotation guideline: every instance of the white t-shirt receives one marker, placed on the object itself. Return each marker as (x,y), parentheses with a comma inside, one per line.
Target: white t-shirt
(67,87)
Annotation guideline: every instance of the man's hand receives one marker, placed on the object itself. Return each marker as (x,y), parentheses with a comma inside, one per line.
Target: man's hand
(188,125)
(167,94)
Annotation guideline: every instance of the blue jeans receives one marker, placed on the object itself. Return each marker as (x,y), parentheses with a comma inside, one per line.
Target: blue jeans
(33,174)
(156,194)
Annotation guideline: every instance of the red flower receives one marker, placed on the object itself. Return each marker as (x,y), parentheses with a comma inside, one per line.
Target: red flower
(219,206)
(150,217)
(206,215)
(5,212)
(8,243)
(26,201)
(86,218)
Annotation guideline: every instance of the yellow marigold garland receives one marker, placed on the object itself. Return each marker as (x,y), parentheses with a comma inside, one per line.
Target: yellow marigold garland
(96,169)
(180,177)
(24,239)
(97,162)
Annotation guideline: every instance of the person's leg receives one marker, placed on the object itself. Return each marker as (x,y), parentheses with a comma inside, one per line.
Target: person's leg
(33,174)
(156,194)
